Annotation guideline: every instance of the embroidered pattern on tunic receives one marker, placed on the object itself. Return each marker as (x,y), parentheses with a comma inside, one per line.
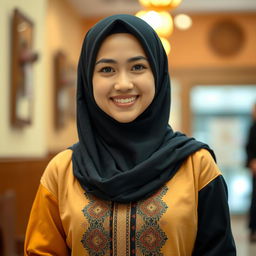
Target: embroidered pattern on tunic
(121,229)
(125,229)
(133,229)
(150,238)
(97,238)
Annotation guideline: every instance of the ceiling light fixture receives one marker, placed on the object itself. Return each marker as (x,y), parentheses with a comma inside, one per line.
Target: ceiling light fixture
(182,21)
(157,15)
(159,5)
(161,22)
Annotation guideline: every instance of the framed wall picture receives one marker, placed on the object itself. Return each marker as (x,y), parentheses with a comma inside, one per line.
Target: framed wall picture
(64,95)
(22,59)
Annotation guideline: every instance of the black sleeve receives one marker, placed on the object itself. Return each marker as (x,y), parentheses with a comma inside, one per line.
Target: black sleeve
(214,235)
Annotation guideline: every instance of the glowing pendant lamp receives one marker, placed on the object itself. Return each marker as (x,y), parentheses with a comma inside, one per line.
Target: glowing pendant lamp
(160,4)
(161,22)
(166,45)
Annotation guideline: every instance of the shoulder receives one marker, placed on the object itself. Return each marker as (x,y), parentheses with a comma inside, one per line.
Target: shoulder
(202,157)
(204,167)
(61,159)
(56,171)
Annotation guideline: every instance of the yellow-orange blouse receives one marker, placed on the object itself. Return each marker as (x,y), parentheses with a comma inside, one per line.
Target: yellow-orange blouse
(66,221)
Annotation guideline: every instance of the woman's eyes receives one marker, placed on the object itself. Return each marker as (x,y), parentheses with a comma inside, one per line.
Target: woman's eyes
(106,70)
(138,67)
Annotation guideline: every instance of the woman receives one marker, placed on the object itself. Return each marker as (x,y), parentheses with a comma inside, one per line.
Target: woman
(130,186)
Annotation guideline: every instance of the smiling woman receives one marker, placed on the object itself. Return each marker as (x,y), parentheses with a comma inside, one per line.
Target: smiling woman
(123,83)
(130,186)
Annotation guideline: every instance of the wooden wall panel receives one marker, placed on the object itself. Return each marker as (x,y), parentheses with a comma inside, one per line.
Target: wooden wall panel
(22,176)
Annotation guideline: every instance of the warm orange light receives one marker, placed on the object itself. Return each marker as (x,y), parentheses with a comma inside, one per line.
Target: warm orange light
(183,21)
(166,45)
(161,22)
(160,4)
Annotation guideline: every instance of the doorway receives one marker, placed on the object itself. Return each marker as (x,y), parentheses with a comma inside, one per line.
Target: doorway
(221,116)
(214,106)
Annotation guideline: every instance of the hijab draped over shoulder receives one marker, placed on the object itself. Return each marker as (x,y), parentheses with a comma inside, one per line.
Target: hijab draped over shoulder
(126,162)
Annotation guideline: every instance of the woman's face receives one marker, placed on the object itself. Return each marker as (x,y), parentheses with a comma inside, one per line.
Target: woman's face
(123,82)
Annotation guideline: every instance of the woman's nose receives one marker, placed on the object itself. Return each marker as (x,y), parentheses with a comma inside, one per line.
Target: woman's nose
(123,82)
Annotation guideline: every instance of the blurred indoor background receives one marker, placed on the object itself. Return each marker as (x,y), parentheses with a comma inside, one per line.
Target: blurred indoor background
(213,73)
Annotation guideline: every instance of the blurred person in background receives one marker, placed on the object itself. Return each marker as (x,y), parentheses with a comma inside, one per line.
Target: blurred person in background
(251,164)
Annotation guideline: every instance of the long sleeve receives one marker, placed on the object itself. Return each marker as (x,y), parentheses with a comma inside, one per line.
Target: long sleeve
(214,236)
(45,234)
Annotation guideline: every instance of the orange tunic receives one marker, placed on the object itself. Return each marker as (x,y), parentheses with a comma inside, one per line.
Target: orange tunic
(66,221)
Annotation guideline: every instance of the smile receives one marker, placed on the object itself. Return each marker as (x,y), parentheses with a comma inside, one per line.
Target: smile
(124,101)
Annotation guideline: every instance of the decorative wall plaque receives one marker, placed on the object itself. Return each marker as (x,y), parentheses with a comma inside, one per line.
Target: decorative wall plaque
(22,59)
(226,38)
(64,90)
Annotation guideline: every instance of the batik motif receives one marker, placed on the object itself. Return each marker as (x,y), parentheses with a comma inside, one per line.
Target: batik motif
(121,230)
(125,229)
(150,238)
(97,239)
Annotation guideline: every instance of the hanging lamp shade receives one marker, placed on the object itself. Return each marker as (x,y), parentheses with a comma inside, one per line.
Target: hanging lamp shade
(161,22)
(166,45)
(159,5)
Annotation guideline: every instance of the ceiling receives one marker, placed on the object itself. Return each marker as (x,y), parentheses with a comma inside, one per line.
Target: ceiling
(96,8)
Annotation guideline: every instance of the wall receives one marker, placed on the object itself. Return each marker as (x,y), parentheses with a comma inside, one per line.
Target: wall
(30,141)
(22,176)
(24,153)
(193,61)
(57,27)
(190,48)
(64,33)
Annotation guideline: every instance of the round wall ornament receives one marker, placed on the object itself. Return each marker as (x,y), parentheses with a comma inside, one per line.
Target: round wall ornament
(226,38)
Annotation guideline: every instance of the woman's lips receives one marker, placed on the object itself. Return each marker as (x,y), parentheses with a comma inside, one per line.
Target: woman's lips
(124,100)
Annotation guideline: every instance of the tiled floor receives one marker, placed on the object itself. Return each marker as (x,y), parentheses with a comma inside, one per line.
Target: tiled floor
(240,232)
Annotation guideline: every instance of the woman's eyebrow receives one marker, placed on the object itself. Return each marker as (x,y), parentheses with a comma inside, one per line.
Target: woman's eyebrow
(136,58)
(105,61)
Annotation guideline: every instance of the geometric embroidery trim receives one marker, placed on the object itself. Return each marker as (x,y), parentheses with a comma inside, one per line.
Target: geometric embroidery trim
(97,210)
(140,221)
(153,207)
(97,239)
(150,238)
(133,229)
(121,229)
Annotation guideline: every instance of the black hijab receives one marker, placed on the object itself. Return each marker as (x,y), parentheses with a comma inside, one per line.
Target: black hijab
(126,162)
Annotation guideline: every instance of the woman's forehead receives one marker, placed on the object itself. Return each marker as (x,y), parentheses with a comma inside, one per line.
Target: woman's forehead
(121,43)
